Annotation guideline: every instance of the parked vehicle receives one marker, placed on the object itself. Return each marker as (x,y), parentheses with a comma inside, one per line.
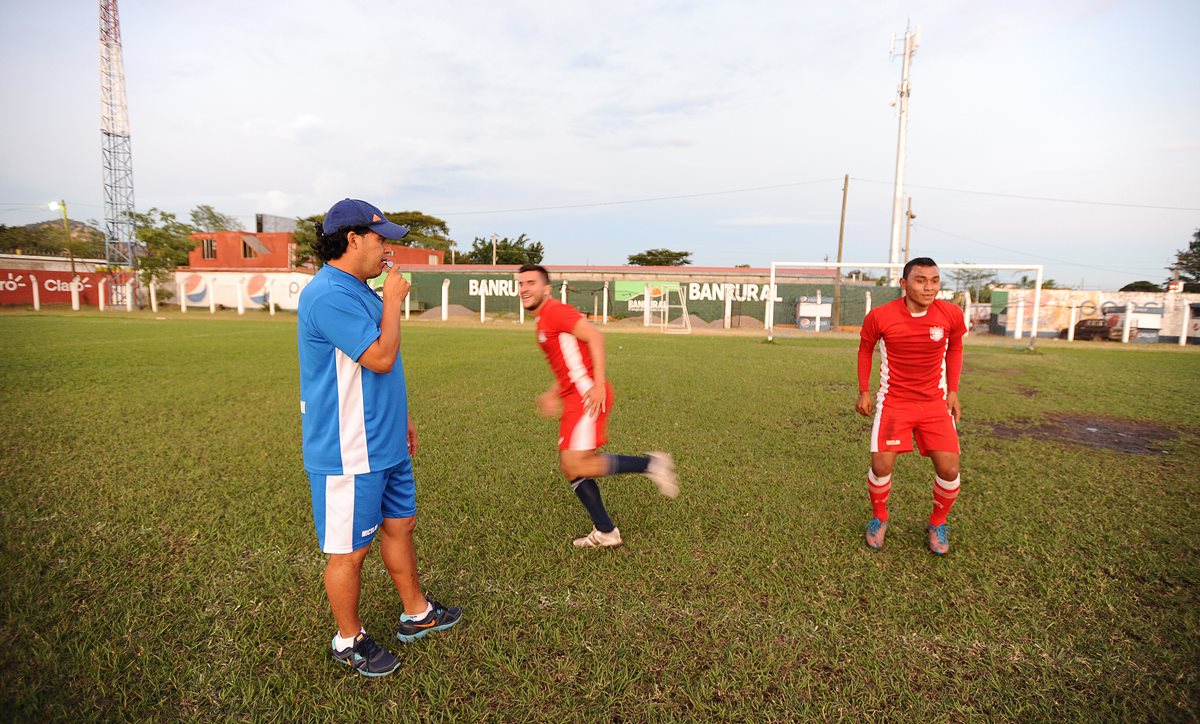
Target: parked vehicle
(1089,329)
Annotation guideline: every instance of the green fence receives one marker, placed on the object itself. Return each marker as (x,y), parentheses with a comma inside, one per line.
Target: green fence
(705,299)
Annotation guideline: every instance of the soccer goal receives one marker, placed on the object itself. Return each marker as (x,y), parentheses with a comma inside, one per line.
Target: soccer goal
(769,310)
(669,316)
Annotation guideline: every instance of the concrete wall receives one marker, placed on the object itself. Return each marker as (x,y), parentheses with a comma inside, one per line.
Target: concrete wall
(1056,305)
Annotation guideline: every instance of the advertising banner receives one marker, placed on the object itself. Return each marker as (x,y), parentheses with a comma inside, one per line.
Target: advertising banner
(54,287)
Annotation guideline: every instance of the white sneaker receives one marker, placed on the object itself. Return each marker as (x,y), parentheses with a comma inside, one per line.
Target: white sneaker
(662,472)
(596,539)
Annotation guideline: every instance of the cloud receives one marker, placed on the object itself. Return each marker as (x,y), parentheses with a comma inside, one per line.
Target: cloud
(772,221)
(305,128)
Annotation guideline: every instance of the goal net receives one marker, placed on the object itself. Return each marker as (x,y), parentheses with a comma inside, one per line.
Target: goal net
(666,308)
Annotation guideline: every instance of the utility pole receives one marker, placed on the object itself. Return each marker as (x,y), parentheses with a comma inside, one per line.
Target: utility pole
(911,40)
(493,249)
(62,204)
(908,217)
(837,279)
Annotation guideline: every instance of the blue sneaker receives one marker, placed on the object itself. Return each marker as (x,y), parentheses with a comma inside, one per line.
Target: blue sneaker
(939,543)
(367,657)
(876,530)
(439,619)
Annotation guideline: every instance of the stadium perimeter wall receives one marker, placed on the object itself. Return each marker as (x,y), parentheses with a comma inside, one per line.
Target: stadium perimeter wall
(1158,316)
(704,291)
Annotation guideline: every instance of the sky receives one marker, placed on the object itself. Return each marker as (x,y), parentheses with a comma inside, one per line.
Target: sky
(1064,133)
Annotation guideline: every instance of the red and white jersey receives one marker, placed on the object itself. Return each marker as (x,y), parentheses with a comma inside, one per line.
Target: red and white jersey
(920,357)
(570,359)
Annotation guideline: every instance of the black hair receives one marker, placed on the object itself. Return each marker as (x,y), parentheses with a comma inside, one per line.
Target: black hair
(537,268)
(331,246)
(919,261)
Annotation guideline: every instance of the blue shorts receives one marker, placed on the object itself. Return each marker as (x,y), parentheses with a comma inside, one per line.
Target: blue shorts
(347,509)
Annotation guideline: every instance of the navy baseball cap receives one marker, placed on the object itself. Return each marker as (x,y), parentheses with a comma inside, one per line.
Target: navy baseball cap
(352,212)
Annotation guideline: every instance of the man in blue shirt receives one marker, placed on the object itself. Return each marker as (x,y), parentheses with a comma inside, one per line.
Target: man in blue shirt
(358,436)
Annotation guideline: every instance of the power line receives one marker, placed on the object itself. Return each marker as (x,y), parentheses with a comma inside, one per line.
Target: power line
(1035,198)
(641,201)
(1033,256)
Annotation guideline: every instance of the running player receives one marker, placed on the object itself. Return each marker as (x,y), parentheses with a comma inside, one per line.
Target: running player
(920,350)
(575,350)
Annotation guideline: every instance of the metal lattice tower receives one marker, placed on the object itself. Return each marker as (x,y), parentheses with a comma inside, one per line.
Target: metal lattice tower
(120,242)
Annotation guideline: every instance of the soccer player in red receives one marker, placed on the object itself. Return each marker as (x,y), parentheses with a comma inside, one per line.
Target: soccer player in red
(575,351)
(920,349)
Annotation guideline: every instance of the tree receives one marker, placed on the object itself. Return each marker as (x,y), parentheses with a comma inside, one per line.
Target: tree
(166,243)
(975,281)
(424,231)
(48,238)
(1187,264)
(1028,282)
(1141,286)
(521,250)
(660,257)
(206,218)
(303,238)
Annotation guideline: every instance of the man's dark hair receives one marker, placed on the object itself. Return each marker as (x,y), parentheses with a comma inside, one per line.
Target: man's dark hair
(331,246)
(919,261)
(537,268)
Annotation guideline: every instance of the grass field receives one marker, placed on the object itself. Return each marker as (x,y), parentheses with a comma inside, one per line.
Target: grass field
(159,559)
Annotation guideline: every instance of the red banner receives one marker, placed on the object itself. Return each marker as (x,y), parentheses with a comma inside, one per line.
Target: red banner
(54,287)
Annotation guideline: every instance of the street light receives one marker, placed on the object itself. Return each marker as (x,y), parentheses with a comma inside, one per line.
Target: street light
(55,206)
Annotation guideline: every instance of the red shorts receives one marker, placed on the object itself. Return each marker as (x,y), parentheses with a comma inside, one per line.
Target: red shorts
(897,422)
(580,431)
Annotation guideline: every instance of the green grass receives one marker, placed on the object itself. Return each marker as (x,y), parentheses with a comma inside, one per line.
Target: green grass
(159,559)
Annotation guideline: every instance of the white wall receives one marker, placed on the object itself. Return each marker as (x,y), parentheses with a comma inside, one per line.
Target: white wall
(223,288)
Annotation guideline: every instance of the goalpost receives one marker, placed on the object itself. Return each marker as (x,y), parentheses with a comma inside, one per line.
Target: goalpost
(769,310)
(660,316)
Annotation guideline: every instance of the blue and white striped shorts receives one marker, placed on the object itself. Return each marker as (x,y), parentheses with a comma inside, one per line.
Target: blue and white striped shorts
(348,509)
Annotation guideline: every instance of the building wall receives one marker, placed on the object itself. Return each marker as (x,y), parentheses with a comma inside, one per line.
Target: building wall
(1153,308)
(230,254)
(49,263)
(413,256)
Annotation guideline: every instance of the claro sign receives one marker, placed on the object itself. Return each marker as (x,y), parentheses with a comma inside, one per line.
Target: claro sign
(54,287)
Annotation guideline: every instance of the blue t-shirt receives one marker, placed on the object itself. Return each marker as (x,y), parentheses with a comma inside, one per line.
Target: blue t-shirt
(353,420)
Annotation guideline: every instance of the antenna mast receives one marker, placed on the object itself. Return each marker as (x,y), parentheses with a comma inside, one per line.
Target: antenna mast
(120,243)
(911,40)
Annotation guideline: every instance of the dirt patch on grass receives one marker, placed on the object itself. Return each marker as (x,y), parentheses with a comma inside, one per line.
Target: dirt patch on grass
(1105,433)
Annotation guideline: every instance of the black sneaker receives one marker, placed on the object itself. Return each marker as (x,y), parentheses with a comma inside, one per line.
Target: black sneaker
(438,619)
(367,657)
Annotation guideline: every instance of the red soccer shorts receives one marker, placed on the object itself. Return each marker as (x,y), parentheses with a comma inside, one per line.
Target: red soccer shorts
(897,422)
(580,431)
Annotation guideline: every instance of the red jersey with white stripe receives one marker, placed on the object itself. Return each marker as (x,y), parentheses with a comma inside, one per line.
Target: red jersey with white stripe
(920,357)
(570,359)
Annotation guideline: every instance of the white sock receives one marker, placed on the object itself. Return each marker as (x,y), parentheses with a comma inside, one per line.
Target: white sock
(341,644)
(421,615)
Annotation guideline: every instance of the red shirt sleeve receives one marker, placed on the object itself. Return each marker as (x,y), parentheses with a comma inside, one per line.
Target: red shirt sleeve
(867,339)
(954,352)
